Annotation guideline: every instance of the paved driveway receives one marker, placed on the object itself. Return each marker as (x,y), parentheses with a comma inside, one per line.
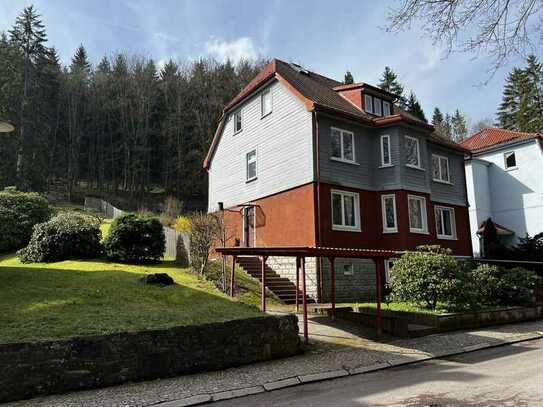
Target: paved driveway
(506,376)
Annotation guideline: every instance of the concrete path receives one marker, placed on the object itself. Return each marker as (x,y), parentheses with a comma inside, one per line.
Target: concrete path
(336,351)
(502,376)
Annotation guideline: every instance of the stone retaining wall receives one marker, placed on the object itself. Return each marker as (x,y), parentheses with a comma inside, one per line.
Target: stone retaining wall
(39,368)
(286,268)
(355,280)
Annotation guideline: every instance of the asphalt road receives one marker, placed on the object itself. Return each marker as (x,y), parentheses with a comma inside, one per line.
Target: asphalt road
(504,376)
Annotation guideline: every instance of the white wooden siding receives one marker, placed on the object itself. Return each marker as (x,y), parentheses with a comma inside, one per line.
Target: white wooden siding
(284,144)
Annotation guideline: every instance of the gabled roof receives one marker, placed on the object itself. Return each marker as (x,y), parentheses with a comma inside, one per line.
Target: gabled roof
(318,92)
(491,137)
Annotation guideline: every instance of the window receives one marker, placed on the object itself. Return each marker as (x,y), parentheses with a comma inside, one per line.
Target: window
(342,145)
(386,160)
(348,269)
(386,108)
(377,106)
(418,223)
(389,263)
(412,152)
(345,211)
(440,168)
(445,223)
(390,224)
(237,122)
(251,165)
(510,160)
(368,103)
(266,102)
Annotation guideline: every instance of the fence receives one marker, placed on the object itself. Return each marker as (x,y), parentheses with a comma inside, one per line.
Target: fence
(173,237)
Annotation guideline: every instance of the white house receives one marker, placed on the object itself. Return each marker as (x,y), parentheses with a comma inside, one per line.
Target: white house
(504,178)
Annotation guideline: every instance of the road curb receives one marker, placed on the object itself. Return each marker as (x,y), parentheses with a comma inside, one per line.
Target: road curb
(334,374)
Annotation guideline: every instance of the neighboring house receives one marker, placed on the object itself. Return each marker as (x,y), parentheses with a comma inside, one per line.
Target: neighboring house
(505,183)
(299,159)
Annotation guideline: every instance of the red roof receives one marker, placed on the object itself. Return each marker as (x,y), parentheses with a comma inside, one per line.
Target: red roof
(492,136)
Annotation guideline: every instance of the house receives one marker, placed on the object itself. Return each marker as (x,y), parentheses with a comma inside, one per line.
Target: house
(505,182)
(299,159)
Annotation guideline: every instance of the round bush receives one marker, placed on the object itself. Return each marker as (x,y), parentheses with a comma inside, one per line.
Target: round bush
(135,239)
(426,277)
(66,236)
(19,212)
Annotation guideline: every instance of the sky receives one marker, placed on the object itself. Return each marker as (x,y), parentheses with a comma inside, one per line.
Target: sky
(328,37)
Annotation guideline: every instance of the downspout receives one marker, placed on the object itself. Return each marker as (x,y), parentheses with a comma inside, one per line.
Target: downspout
(318,205)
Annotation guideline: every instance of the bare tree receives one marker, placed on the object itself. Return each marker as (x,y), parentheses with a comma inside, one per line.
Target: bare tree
(499,28)
(205,231)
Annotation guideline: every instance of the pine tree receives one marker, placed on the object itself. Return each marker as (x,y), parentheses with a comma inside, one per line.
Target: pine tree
(414,107)
(437,118)
(459,126)
(522,101)
(348,78)
(389,82)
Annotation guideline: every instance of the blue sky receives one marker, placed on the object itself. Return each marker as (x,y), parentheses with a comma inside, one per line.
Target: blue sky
(327,37)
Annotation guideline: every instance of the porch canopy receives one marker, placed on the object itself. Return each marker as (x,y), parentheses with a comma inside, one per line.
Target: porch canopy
(301,253)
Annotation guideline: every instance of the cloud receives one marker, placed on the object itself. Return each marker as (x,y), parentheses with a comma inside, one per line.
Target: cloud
(241,48)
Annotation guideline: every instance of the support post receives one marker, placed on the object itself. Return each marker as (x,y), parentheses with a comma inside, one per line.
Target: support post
(333,285)
(263,279)
(304,301)
(233,277)
(297,284)
(379,268)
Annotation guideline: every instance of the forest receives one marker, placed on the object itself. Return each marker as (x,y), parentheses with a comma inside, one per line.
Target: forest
(125,127)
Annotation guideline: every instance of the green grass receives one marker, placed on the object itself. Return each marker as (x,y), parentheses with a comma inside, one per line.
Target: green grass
(72,298)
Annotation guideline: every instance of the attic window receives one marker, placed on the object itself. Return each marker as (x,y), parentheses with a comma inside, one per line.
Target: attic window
(510,160)
(386,108)
(368,104)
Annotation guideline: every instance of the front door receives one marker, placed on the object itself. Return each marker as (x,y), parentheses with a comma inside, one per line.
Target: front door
(249,226)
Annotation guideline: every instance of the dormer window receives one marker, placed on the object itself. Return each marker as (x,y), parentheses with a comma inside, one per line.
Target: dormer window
(377,106)
(368,103)
(386,108)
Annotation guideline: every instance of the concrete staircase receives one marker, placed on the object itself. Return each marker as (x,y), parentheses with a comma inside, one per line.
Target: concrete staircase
(280,286)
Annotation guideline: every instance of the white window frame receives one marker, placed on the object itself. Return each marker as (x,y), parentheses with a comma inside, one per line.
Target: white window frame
(387,229)
(417,142)
(247,178)
(507,155)
(439,159)
(341,144)
(438,210)
(424,214)
(388,109)
(265,93)
(237,112)
(350,272)
(368,107)
(383,163)
(377,102)
(387,269)
(343,227)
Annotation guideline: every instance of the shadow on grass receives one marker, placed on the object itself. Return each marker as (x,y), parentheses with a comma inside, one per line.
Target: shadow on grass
(46,302)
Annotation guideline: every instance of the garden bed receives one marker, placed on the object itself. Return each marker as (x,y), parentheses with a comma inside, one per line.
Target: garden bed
(412,323)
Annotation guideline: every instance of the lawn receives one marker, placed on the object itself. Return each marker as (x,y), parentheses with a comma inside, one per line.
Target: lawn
(71,298)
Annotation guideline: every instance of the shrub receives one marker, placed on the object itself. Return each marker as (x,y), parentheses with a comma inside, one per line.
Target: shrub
(135,239)
(205,230)
(182,224)
(66,236)
(19,212)
(427,277)
(499,286)
(529,248)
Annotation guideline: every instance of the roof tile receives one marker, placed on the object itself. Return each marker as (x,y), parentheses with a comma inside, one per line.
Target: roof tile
(491,136)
